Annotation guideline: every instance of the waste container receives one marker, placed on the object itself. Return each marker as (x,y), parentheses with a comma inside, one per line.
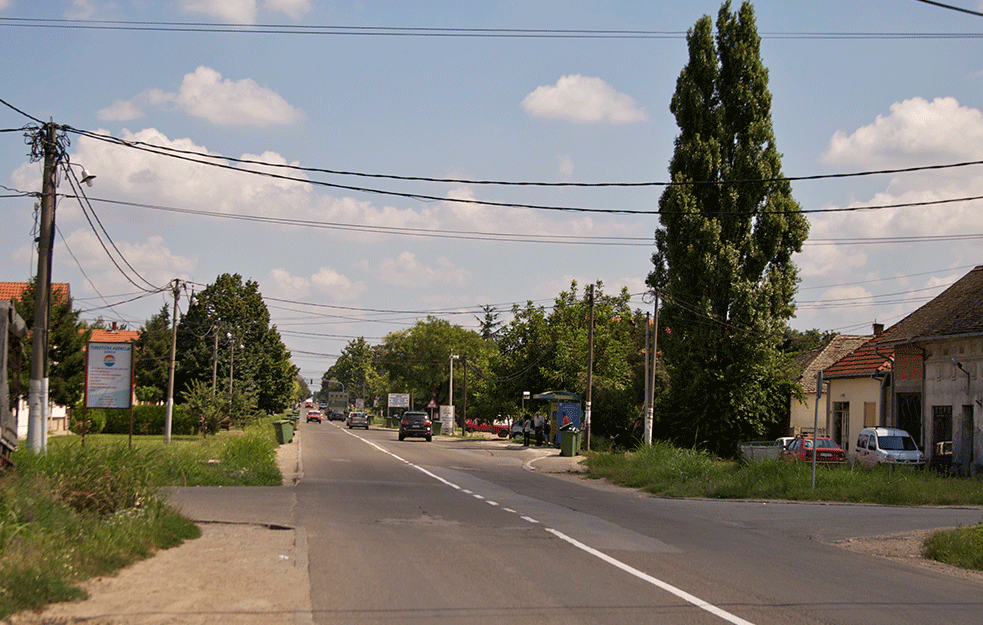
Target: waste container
(278,430)
(569,442)
(288,431)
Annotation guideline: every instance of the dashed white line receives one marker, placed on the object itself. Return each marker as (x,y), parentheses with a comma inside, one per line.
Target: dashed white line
(682,594)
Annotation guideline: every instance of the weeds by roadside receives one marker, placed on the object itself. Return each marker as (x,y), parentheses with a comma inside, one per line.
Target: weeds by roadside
(667,471)
(75,512)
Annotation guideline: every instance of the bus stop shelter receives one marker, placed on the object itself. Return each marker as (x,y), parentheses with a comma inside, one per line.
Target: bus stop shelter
(563,405)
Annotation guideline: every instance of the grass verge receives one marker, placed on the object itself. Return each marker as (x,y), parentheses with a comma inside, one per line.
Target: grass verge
(74,511)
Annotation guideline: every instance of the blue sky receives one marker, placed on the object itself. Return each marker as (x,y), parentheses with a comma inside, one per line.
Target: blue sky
(472,108)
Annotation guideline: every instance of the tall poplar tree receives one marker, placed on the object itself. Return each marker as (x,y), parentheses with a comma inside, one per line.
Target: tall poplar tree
(723,260)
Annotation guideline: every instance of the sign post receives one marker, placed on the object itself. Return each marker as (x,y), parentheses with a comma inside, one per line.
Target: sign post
(109,377)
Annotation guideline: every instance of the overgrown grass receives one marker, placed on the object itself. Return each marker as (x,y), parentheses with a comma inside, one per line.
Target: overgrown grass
(664,470)
(74,511)
(961,547)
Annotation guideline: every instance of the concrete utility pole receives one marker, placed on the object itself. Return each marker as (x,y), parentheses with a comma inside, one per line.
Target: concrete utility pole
(38,390)
(176,289)
(651,385)
(590,366)
(450,398)
(647,424)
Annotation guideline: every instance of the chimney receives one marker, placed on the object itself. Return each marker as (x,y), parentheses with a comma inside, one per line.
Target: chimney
(114,327)
(878,329)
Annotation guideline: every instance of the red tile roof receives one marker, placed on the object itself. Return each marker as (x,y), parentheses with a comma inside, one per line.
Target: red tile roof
(114,336)
(13,290)
(821,358)
(870,359)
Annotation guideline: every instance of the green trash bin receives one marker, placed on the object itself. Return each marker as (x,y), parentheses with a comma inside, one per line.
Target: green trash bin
(569,442)
(288,431)
(278,430)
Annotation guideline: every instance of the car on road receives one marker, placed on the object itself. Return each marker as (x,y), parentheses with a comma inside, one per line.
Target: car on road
(357,420)
(313,415)
(414,423)
(888,446)
(827,452)
(334,415)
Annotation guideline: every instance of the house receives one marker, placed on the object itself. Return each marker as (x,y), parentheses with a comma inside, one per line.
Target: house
(858,391)
(802,414)
(938,359)
(57,415)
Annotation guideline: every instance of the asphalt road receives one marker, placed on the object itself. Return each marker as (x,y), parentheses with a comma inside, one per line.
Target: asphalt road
(458,531)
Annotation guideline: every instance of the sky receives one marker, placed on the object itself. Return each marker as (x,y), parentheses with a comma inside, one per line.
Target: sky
(372,97)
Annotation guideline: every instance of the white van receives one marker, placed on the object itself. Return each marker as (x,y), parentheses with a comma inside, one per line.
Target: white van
(889,446)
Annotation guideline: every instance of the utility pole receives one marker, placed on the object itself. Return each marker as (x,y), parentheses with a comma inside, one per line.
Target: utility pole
(590,364)
(37,393)
(450,397)
(170,378)
(647,425)
(655,357)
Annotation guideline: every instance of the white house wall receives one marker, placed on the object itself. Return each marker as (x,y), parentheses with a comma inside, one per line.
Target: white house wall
(857,392)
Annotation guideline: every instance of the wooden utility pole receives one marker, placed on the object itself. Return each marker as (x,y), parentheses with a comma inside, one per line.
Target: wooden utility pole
(37,393)
(590,363)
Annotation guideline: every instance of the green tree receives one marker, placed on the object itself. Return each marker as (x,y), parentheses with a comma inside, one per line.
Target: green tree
(542,350)
(248,350)
(356,370)
(417,360)
(723,259)
(67,337)
(153,357)
(490,323)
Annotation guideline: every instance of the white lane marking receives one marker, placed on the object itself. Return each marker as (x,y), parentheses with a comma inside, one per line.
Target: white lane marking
(682,594)
(658,583)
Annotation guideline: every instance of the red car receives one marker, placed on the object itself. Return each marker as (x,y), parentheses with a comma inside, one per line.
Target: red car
(483,426)
(313,415)
(800,449)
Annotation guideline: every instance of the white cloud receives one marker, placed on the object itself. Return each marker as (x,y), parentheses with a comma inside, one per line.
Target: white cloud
(236,11)
(205,94)
(327,285)
(916,131)
(582,99)
(151,259)
(80,10)
(292,8)
(407,271)
(244,11)
(566,166)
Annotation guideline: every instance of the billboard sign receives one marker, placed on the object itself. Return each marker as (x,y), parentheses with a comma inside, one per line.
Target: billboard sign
(109,375)
(399,400)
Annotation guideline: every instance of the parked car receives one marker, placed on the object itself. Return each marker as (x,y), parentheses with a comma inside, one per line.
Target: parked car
(888,446)
(784,440)
(417,424)
(828,452)
(358,420)
(481,425)
(313,415)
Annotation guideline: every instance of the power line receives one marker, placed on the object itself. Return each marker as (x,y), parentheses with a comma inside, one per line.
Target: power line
(951,8)
(433,32)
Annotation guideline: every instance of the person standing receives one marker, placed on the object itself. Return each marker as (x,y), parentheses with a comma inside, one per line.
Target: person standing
(546,431)
(526,430)
(537,424)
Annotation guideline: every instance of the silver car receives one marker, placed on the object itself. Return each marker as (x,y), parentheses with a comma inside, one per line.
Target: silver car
(358,420)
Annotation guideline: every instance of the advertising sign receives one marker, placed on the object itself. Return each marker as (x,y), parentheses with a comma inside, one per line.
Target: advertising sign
(108,375)
(399,400)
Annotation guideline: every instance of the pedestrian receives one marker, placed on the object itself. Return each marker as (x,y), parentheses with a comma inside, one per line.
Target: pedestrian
(537,424)
(526,430)
(546,431)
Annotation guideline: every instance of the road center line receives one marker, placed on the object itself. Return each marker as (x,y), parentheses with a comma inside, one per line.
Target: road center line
(658,583)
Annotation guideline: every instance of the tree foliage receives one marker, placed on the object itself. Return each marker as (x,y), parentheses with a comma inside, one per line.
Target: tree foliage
(357,371)
(152,358)
(723,259)
(67,337)
(248,355)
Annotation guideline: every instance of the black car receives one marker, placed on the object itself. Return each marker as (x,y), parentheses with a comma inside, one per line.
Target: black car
(415,424)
